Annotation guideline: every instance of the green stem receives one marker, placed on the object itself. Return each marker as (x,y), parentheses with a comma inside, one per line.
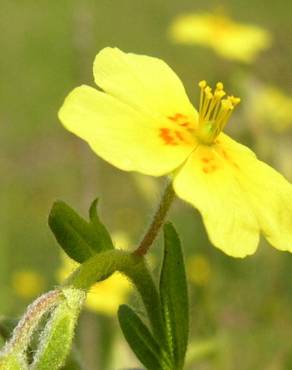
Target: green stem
(158,220)
(133,266)
(106,263)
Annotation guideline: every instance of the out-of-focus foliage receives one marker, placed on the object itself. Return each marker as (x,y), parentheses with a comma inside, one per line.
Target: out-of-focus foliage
(47,49)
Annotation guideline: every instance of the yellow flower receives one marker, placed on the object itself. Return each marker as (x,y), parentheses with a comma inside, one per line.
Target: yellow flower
(144,122)
(199,270)
(105,296)
(229,39)
(27,283)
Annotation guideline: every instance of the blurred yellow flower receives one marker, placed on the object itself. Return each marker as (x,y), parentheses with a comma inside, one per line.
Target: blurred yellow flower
(199,269)
(108,295)
(27,283)
(103,297)
(229,39)
(271,107)
(144,122)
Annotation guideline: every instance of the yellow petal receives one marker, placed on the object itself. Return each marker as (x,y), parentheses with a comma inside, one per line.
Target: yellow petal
(144,82)
(268,191)
(207,182)
(123,136)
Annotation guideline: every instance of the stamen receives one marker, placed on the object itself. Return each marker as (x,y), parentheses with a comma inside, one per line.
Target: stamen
(214,111)
(202,85)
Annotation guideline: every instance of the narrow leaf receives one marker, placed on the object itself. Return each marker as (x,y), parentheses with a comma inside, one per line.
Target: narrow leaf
(79,239)
(105,240)
(141,340)
(174,296)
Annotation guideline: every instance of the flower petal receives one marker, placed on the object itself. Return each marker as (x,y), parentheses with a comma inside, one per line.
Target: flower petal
(144,82)
(207,182)
(123,136)
(269,193)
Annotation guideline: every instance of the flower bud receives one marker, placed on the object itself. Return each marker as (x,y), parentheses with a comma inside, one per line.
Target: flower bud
(56,339)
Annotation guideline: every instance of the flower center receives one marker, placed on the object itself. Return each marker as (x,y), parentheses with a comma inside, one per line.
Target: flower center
(214,111)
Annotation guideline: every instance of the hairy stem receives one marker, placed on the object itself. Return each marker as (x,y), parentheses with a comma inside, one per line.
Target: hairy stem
(30,320)
(157,221)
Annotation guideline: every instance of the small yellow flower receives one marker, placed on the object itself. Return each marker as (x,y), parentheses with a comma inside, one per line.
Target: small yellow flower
(27,283)
(229,39)
(199,270)
(144,122)
(105,296)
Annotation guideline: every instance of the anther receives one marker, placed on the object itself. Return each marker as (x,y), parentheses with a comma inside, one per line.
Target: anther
(202,84)
(214,111)
(219,86)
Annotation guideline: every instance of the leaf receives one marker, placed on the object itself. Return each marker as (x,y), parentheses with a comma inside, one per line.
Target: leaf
(105,240)
(78,238)
(174,296)
(141,340)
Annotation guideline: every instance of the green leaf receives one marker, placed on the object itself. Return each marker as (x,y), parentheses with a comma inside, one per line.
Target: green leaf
(105,240)
(141,340)
(174,296)
(79,239)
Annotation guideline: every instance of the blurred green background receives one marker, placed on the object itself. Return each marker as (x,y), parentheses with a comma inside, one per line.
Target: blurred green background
(240,309)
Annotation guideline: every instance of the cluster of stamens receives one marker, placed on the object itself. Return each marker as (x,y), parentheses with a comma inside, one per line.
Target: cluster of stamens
(214,111)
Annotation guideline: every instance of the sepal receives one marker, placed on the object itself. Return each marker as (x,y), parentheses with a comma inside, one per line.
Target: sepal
(13,361)
(56,338)
(79,238)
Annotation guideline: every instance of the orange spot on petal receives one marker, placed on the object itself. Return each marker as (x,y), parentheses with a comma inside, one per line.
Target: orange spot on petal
(180,119)
(167,137)
(225,155)
(179,135)
(176,117)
